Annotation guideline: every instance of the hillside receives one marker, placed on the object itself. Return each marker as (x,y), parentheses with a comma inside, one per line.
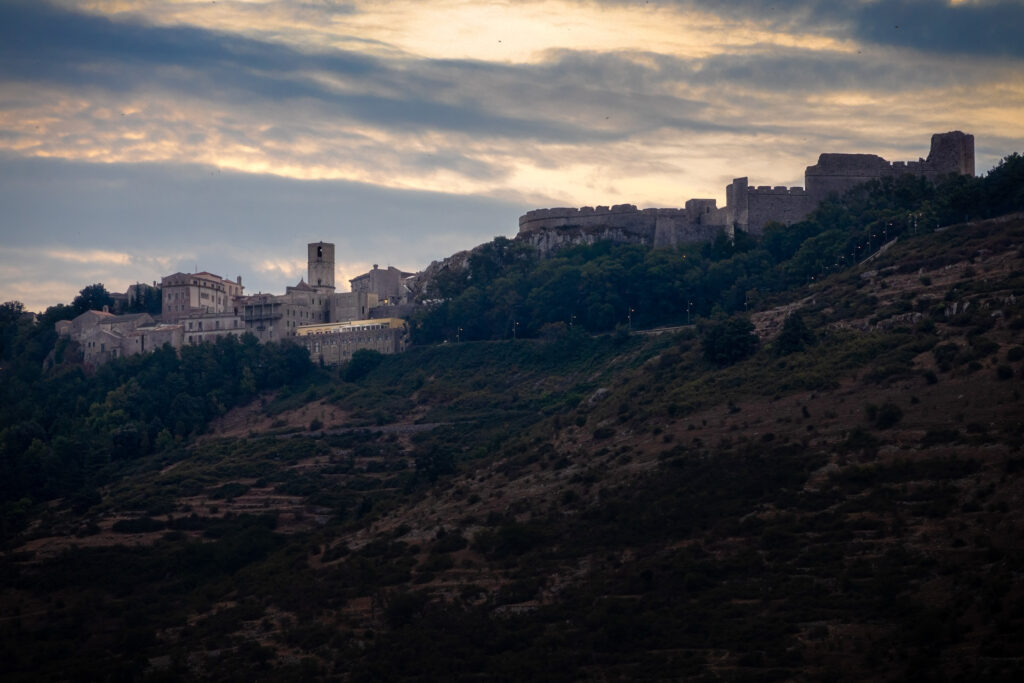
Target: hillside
(843,506)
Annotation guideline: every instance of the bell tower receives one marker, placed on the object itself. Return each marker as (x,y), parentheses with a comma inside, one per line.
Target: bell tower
(321,265)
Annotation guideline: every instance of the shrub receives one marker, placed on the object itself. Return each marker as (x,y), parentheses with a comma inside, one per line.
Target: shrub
(363,362)
(795,335)
(945,355)
(729,341)
(884,416)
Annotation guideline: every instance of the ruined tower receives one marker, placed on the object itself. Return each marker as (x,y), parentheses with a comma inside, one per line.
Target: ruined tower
(952,152)
(321,265)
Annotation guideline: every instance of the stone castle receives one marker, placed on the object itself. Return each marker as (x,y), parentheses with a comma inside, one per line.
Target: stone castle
(198,307)
(747,208)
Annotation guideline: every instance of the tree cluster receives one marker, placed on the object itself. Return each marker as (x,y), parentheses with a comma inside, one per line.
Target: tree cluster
(508,291)
(62,431)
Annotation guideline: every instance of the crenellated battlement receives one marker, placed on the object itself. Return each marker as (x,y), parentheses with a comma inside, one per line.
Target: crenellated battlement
(777,190)
(747,208)
(621,216)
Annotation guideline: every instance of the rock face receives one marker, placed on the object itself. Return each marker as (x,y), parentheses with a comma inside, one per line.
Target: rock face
(420,284)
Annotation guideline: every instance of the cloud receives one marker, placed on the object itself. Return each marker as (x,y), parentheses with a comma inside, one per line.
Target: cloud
(224,136)
(77,223)
(92,257)
(989,28)
(80,86)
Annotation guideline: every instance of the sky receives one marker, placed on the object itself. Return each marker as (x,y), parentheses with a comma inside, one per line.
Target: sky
(139,138)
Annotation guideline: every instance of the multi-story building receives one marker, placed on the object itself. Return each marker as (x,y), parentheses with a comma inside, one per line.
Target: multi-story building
(388,285)
(208,326)
(188,294)
(313,301)
(199,307)
(334,343)
(104,336)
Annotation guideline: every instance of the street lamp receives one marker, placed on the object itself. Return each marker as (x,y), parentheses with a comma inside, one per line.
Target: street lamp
(629,318)
(515,330)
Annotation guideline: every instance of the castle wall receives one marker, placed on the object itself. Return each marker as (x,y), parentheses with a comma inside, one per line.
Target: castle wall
(950,153)
(551,229)
(747,208)
(784,205)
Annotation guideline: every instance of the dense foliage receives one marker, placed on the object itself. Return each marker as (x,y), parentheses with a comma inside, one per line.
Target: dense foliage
(63,432)
(840,505)
(507,291)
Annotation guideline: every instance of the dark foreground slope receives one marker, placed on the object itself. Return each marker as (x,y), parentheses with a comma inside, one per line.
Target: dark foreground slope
(582,507)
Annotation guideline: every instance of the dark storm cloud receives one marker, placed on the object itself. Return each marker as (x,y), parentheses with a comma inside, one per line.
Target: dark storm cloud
(43,43)
(793,69)
(986,29)
(614,96)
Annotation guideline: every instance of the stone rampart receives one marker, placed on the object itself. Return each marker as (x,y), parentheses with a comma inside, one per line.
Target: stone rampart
(747,208)
(951,152)
(550,229)
(784,205)
(621,216)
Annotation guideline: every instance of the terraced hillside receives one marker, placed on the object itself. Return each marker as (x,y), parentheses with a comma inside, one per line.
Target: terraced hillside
(844,503)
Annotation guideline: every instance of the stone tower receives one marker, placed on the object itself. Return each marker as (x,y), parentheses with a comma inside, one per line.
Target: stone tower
(321,265)
(952,152)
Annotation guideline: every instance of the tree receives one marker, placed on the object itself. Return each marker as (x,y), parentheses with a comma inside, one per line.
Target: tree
(92,298)
(10,311)
(729,341)
(795,335)
(362,363)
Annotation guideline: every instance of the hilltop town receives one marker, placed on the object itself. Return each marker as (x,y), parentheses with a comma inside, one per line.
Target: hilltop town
(201,306)
(822,485)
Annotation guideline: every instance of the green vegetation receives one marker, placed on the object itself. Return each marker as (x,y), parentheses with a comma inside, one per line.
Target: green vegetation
(835,502)
(63,433)
(506,291)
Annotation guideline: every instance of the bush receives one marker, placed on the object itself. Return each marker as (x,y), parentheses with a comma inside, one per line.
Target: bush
(795,335)
(884,416)
(729,341)
(945,354)
(363,362)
